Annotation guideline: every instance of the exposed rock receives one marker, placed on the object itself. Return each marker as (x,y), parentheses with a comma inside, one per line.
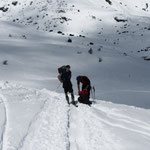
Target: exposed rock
(65,18)
(59,32)
(69,40)
(71,34)
(79,52)
(125,31)
(109,2)
(120,20)
(90,51)
(91,43)
(99,59)
(3,9)
(14,3)
(61,11)
(82,36)
(5,62)
(146,58)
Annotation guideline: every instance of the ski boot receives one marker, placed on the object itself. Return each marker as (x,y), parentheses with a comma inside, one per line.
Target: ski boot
(72,97)
(67,98)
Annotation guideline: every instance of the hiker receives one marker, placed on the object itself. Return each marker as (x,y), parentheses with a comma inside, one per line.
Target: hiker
(86,85)
(65,78)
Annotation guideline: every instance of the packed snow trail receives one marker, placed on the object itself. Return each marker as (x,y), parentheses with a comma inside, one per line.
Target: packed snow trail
(36,119)
(40,119)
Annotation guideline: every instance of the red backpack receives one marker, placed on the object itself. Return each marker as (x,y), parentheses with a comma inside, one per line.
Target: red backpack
(83,97)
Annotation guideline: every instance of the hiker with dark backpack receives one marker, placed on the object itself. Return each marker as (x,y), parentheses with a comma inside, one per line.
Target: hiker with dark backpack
(86,87)
(65,78)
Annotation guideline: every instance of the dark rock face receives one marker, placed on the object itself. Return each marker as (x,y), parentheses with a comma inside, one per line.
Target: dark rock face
(109,2)
(3,9)
(120,20)
(69,40)
(14,3)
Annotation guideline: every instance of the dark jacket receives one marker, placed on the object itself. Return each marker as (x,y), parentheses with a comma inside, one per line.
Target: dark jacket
(84,80)
(66,76)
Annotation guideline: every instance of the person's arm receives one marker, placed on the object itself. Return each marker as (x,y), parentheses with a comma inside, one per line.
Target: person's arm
(88,83)
(59,78)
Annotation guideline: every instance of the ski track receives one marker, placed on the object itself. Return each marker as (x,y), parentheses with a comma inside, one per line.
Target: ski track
(93,129)
(58,126)
(122,123)
(50,129)
(4,144)
(21,143)
(68,127)
(86,131)
(4,126)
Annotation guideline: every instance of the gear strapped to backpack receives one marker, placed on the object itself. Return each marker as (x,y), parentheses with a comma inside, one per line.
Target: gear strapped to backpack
(64,76)
(61,69)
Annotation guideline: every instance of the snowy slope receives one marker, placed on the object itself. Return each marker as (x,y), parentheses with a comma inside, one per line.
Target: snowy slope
(39,119)
(34,37)
(34,43)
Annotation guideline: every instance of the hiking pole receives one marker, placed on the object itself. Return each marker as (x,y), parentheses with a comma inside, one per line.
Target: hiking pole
(58,86)
(94,93)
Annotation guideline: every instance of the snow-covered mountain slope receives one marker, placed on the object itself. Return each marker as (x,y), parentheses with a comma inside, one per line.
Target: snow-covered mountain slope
(34,40)
(40,119)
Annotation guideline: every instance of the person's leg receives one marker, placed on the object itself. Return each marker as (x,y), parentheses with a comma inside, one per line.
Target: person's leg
(72,96)
(89,89)
(89,102)
(67,97)
(71,92)
(66,92)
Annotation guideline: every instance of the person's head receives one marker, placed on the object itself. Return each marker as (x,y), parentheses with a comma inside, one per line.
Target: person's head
(67,68)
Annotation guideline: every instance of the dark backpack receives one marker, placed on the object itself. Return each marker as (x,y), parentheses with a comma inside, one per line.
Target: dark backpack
(61,69)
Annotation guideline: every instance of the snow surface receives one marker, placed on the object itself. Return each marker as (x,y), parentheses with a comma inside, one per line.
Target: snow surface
(42,120)
(33,44)
(30,42)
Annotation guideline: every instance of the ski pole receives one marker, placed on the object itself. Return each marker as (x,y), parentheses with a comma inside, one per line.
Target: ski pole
(93,94)
(58,86)
(94,91)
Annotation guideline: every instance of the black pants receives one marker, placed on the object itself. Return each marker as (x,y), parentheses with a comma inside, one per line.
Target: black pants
(67,85)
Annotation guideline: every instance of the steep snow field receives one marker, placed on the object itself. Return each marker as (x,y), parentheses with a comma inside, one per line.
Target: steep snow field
(42,120)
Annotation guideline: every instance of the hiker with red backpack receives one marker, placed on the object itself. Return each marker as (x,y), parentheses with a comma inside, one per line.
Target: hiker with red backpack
(65,78)
(86,87)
